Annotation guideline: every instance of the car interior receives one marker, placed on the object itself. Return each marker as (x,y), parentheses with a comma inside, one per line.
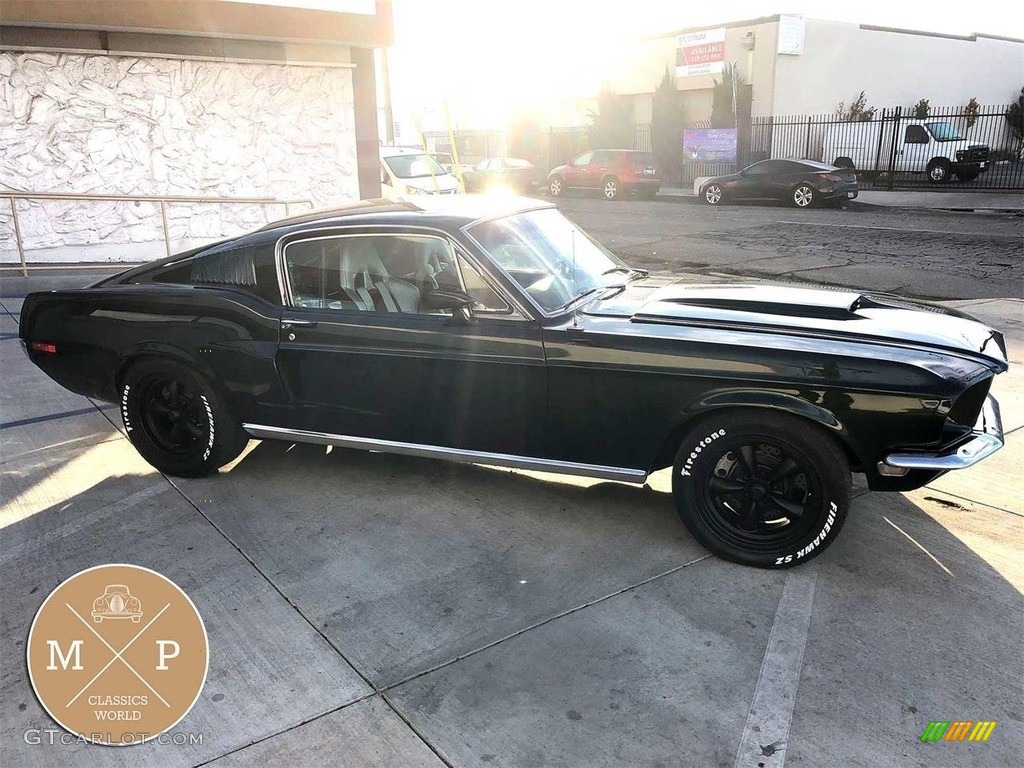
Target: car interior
(393,273)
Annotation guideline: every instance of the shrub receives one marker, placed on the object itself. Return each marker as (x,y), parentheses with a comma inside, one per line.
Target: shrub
(858,111)
(921,109)
(971,112)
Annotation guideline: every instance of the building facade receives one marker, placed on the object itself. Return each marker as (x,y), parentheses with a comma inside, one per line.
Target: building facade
(799,66)
(212,100)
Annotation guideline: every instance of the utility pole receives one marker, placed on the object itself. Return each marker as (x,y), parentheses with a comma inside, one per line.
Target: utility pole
(385,78)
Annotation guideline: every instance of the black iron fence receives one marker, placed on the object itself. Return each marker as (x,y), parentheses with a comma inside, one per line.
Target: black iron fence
(962,148)
(899,148)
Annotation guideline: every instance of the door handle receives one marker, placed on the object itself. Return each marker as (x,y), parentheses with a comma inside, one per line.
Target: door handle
(288,324)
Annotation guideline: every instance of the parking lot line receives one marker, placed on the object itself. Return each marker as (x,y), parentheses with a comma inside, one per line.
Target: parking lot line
(766,732)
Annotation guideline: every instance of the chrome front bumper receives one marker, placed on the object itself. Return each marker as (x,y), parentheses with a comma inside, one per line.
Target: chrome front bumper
(988,438)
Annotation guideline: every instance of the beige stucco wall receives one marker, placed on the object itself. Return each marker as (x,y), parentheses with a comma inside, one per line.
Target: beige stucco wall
(78,123)
(894,69)
(839,61)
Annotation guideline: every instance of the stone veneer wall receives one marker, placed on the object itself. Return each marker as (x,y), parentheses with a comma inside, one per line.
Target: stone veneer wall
(115,124)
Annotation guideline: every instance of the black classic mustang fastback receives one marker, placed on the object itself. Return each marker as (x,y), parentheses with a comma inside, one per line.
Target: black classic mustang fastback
(496,331)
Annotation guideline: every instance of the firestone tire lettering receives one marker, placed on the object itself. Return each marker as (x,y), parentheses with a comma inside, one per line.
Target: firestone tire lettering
(685,471)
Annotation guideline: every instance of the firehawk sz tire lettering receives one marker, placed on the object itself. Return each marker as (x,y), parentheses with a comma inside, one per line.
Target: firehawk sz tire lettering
(761,488)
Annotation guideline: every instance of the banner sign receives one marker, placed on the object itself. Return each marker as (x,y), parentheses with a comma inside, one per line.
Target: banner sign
(700,53)
(791,35)
(709,145)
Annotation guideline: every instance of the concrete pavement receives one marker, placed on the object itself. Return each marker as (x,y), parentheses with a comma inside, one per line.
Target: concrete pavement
(366,609)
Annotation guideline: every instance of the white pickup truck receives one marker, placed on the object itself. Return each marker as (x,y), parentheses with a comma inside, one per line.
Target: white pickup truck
(933,147)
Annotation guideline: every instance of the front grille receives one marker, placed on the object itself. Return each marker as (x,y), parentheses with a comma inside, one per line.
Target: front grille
(976,153)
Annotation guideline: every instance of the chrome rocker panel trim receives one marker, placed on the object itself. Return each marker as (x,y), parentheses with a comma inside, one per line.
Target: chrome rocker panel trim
(988,438)
(622,474)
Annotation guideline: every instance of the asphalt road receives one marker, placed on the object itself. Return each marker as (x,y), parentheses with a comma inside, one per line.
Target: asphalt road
(924,254)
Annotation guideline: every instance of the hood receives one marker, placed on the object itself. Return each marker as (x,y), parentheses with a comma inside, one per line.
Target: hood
(426,183)
(819,312)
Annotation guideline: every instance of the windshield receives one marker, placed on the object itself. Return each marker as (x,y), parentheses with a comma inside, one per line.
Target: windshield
(413,166)
(538,249)
(944,132)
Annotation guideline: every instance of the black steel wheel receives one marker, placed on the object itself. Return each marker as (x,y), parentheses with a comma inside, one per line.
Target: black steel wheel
(176,420)
(761,488)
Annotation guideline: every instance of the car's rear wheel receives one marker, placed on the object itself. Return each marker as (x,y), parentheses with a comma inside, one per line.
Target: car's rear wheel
(177,420)
(713,194)
(556,186)
(610,188)
(803,196)
(762,489)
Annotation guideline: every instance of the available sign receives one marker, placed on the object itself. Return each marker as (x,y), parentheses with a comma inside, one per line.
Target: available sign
(710,145)
(700,53)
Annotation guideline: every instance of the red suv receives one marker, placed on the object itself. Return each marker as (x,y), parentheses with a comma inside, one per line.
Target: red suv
(615,172)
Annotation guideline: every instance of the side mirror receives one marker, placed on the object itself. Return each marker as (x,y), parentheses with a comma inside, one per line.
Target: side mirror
(458,302)
(383,178)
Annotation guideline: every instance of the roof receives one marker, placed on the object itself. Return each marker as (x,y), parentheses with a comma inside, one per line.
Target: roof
(465,209)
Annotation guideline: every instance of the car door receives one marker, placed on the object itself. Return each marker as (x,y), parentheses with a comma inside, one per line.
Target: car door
(749,183)
(914,153)
(782,176)
(364,356)
(577,169)
(600,165)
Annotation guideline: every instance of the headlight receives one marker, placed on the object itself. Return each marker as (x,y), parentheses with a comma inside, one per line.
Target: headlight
(961,154)
(414,191)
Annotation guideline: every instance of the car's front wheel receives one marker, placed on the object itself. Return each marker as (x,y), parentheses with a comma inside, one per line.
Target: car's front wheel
(556,186)
(713,194)
(938,170)
(177,420)
(760,488)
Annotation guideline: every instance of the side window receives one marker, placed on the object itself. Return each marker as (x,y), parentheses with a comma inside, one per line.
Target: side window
(380,273)
(916,134)
(602,157)
(583,159)
(485,297)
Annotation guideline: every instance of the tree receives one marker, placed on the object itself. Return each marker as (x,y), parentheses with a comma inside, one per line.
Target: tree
(611,124)
(1015,117)
(858,111)
(922,109)
(723,98)
(667,122)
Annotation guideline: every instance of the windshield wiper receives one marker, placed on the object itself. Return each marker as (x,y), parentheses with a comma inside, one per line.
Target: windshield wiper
(588,291)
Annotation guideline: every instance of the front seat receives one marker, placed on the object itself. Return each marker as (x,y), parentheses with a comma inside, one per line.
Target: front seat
(366,282)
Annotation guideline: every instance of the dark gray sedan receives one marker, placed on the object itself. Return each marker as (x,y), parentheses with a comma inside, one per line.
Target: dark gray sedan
(802,183)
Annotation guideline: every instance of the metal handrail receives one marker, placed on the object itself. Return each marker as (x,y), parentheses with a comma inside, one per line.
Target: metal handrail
(162,199)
